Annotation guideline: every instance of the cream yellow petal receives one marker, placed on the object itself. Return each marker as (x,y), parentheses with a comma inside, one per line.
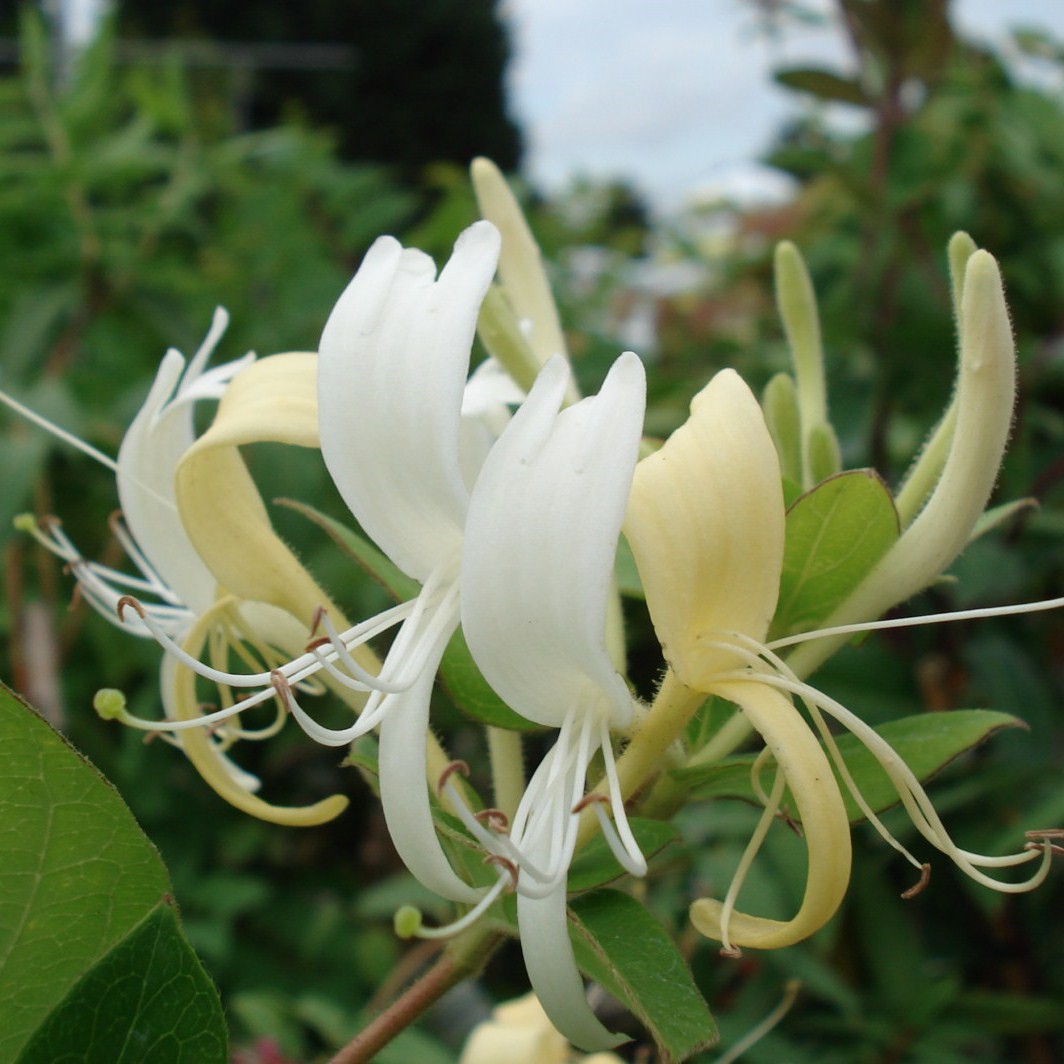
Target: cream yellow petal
(705,523)
(181,700)
(275,399)
(825,826)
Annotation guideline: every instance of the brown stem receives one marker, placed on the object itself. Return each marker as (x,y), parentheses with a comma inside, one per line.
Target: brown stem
(458,962)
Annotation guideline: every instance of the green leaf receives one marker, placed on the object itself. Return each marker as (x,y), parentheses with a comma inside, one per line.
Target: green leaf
(462,679)
(822,84)
(926,743)
(619,944)
(79,883)
(148,999)
(835,535)
(596,864)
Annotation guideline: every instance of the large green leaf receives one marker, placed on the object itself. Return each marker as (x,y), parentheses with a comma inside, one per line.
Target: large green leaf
(85,903)
(621,945)
(926,742)
(835,535)
(458,671)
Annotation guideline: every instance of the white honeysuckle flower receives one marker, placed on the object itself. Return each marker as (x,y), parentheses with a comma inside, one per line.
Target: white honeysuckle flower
(392,368)
(537,562)
(181,588)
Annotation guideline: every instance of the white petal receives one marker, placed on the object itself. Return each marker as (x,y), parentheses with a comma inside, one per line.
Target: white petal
(404,790)
(540,542)
(147,460)
(393,362)
(553,973)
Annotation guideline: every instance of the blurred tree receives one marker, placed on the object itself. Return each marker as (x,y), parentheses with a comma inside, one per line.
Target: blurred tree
(423,82)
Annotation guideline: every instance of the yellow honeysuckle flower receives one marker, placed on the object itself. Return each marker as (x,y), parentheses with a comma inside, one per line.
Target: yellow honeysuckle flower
(705,522)
(520,1032)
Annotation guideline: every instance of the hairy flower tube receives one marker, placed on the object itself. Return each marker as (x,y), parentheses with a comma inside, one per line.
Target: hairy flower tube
(537,562)
(706,524)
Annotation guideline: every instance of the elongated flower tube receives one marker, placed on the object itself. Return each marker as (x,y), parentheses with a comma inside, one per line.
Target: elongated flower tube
(537,562)
(705,523)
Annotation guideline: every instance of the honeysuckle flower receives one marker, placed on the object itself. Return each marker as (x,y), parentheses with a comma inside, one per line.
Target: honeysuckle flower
(705,524)
(537,562)
(182,589)
(520,1032)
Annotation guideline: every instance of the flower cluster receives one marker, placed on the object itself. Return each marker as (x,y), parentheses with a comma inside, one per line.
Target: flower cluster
(497,501)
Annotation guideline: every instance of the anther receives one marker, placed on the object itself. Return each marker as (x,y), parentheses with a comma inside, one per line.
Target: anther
(1042,840)
(315,620)
(496,819)
(114,518)
(279,682)
(732,952)
(921,885)
(507,865)
(455,766)
(314,644)
(132,603)
(588,800)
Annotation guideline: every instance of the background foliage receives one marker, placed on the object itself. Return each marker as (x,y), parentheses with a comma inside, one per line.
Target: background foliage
(136,198)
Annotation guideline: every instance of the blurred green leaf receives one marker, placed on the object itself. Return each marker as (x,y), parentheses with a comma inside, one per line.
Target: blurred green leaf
(823,84)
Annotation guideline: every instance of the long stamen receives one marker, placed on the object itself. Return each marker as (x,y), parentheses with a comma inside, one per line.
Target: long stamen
(294,671)
(636,863)
(909,622)
(746,861)
(911,793)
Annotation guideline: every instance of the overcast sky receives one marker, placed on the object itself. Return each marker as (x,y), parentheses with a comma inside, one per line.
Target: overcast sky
(676,95)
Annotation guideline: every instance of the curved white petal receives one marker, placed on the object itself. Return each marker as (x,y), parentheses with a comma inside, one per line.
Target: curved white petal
(393,362)
(552,970)
(541,537)
(151,448)
(405,801)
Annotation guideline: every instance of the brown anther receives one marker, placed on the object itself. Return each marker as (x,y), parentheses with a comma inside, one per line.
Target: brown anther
(132,603)
(921,885)
(449,771)
(590,799)
(1040,840)
(150,737)
(315,620)
(321,641)
(506,864)
(75,598)
(732,952)
(113,519)
(280,684)
(496,819)
(49,522)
